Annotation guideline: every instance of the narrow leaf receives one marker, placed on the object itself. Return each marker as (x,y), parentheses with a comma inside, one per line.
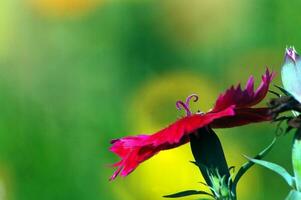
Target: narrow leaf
(276,168)
(186,193)
(293,195)
(283,90)
(249,164)
(275,93)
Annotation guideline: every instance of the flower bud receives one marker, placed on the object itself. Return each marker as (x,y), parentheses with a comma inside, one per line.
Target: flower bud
(291,73)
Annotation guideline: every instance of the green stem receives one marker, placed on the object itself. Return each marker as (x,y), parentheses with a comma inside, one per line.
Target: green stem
(296,158)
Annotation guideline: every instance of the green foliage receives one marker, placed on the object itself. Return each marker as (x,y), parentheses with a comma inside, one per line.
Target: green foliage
(249,164)
(221,187)
(276,168)
(293,181)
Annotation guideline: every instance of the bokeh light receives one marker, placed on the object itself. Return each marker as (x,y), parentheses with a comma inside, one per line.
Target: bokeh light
(59,8)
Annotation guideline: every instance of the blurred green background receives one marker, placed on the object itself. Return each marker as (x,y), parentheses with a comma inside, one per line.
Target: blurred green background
(75,74)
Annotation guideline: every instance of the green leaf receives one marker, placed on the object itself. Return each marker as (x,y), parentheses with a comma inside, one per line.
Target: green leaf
(276,168)
(283,90)
(186,193)
(208,153)
(296,158)
(293,195)
(249,164)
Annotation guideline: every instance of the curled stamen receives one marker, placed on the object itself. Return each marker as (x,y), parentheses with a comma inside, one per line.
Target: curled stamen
(195,96)
(181,105)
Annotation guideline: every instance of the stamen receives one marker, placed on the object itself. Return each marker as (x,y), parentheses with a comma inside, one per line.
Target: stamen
(181,105)
(195,96)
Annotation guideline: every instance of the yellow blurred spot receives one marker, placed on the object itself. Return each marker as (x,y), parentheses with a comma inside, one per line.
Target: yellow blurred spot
(166,173)
(63,7)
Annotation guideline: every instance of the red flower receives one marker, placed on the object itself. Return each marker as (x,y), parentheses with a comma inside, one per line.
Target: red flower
(232,108)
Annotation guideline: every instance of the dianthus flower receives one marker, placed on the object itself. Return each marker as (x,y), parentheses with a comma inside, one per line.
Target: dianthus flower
(233,108)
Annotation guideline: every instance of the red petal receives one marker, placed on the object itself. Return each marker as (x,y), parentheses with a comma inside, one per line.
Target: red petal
(243,116)
(247,97)
(135,149)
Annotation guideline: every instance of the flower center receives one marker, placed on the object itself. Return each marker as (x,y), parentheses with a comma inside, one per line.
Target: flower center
(186,105)
(291,52)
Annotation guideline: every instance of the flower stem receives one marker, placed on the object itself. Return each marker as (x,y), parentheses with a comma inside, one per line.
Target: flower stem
(296,158)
